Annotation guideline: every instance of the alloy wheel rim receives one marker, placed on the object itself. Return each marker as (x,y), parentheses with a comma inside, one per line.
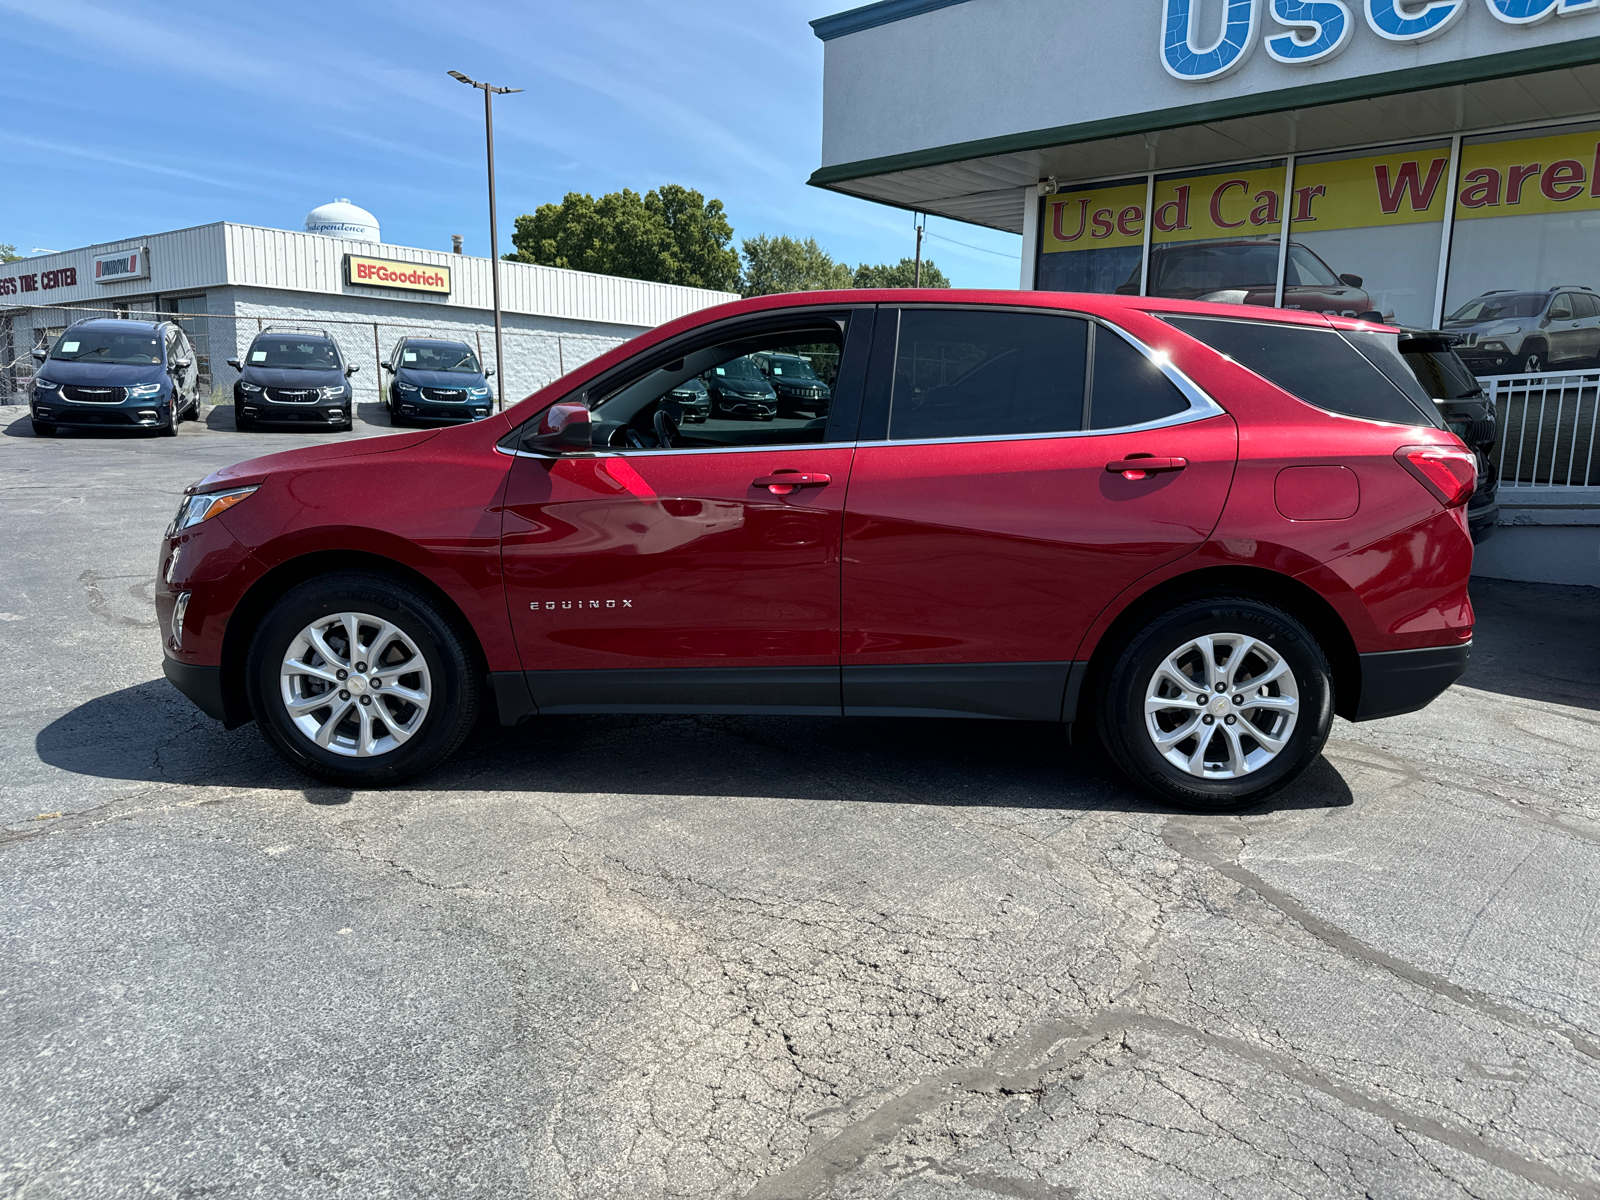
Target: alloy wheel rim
(355,685)
(1222,706)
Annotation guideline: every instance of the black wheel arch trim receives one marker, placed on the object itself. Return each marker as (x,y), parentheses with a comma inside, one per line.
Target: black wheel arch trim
(1402,681)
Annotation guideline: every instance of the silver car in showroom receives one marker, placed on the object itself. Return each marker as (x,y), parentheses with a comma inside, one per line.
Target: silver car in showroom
(1523,333)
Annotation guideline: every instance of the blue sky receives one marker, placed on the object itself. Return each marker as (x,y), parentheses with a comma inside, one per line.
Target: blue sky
(130,118)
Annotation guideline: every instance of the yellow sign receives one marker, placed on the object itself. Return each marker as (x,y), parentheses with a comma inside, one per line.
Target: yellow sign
(1360,193)
(1530,177)
(387,273)
(1233,204)
(1101,219)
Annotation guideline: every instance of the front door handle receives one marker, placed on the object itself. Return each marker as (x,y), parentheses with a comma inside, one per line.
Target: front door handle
(782,483)
(1142,466)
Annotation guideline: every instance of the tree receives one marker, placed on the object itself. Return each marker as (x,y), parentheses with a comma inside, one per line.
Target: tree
(902,275)
(672,235)
(785,264)
(8,253)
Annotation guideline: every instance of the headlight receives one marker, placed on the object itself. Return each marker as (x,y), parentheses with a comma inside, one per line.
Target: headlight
(45,385)
(203,507)
(249,387)
(336,392)
(406,387)
(143,391)
(478,393)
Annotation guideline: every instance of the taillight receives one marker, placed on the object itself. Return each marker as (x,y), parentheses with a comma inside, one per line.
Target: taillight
(1449,472)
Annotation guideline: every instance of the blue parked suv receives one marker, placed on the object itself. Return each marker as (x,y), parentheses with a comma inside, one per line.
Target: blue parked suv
(436,381)
(111,372)
(292,377)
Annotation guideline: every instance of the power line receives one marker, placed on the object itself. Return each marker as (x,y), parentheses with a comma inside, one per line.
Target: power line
(970,246)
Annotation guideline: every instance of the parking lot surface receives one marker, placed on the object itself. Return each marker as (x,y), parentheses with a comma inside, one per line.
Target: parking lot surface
(718,957)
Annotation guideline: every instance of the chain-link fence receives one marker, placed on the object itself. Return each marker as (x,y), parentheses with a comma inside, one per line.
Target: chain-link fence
(534,358)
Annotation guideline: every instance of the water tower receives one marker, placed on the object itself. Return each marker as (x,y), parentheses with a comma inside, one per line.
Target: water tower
(341,219)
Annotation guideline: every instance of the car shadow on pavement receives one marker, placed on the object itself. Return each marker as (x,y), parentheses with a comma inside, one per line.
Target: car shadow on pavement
(1539,641)
(151,733)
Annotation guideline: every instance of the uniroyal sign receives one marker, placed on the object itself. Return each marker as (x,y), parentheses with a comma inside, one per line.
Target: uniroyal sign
(1305,32)
(124,264)
(1514,178)
(386,273)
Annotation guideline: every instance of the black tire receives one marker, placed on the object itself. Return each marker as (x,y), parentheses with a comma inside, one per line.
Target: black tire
(1133,676)
(454,678)
(242,423)
(43,428)
(1533,362)
(170,429)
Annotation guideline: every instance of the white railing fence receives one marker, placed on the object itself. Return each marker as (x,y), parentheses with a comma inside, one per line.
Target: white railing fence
(1547,428)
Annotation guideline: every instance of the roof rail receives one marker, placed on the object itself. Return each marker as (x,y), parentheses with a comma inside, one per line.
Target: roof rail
(1572,287)
(296,329)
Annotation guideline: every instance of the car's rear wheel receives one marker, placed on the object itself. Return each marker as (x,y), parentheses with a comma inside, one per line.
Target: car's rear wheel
(1217,704)
(361,681)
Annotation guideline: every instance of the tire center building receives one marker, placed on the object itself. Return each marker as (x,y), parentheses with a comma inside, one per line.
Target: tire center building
(225,283)
(1411,159)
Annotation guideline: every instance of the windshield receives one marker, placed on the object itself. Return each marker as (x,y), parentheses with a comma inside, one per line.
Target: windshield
(1501,307)
(743,371)
(295,354)
(134,347)
(448,356)
(1213,268)
(1307,270)
(791,368)
(1439,370)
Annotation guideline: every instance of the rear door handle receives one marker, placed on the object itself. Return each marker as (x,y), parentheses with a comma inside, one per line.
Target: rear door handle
(782,483)
(1140,466)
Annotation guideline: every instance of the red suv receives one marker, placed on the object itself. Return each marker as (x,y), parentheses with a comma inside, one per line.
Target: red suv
(1203,531)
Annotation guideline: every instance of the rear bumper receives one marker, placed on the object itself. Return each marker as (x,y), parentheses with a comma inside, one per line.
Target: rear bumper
(1402,681)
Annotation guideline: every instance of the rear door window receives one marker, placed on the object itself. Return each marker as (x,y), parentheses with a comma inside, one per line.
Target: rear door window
(1128,389)
(961,373)
(1358,374)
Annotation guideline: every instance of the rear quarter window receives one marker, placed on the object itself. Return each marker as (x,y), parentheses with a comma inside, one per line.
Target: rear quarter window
(1360,375)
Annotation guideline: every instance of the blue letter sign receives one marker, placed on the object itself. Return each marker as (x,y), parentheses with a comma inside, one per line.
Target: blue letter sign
(1393,23)
(1183,57)
(1320,29)
(1531,12)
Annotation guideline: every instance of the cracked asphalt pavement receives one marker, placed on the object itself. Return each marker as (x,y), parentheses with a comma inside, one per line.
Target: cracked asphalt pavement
(768,958)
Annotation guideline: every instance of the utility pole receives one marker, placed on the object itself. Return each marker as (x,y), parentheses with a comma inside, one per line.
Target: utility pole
(489,93)
(920,222)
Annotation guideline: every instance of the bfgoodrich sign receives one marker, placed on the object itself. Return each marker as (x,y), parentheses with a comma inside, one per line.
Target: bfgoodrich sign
(389,273)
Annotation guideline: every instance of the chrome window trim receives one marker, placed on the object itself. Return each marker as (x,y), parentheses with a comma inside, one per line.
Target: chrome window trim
(1199,400)
(614,452)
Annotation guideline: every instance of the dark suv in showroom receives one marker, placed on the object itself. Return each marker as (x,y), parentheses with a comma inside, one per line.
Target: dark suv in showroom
(437,382)
(112,372)
(292,377)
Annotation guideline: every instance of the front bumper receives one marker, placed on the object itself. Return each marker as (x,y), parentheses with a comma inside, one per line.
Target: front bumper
(149,413)
(203,685)
(264,412)
(453,414)
(1402,681)
(748,408)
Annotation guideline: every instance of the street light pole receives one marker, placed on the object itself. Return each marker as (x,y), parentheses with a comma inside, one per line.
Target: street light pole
(489,92)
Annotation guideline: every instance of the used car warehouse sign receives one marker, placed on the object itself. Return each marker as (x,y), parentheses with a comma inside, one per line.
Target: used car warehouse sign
(387,273)
(1304,32)
(1498,179)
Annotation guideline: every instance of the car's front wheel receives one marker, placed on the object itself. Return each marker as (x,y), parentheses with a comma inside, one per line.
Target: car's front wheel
(1532,363)
(1218,703)
(43,428)
(361,681)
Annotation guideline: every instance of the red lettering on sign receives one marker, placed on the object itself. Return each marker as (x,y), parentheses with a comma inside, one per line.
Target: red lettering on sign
(1174,214)
(1267,210)
(1519,176)
(1216,203)
(1563,180)
(1058,224)
(1128,221)
(1104,226)
(1408,181)
(1303,198)
(1482,190)
(28,283)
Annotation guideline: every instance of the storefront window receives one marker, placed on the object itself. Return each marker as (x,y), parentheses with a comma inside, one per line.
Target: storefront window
(1365,233)
(1525,255)
(1216,235)
(1092,239)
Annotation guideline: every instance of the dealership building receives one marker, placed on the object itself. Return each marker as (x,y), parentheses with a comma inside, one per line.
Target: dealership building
(1392,157)
(226,282)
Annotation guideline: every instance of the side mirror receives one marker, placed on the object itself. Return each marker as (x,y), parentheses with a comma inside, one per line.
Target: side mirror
(40,355)
(183,364)
(235,364)
(387,367)
(349,371)
(1351,280)
(561,428)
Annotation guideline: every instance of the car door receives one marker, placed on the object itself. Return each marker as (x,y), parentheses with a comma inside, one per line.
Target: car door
(984,531)
(701,576)
(1564,330)
(1586,310)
